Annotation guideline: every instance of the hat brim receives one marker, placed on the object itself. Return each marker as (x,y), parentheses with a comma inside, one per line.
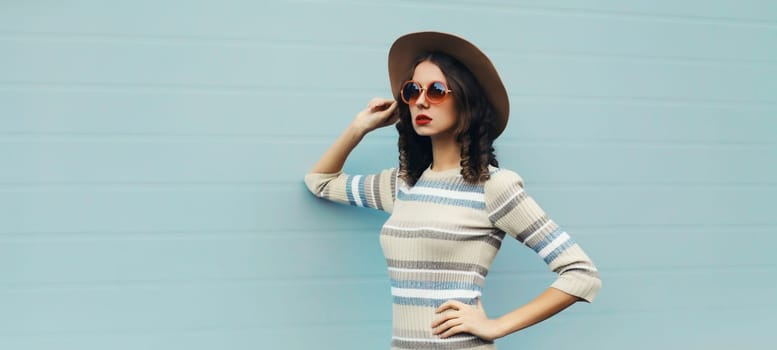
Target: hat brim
(408,47)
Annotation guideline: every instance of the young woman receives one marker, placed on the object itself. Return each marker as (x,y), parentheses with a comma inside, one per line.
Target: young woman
(450,204)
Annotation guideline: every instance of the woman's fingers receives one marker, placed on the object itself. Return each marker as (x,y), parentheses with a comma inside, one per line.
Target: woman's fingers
(445,326)
(463,318)
(387,109)
(450,304)
(390,114)
(380,104)
(454,330)
(380,112)
(385,112)
(443,319)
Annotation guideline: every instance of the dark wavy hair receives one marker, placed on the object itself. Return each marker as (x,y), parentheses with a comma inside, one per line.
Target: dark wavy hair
(473,131)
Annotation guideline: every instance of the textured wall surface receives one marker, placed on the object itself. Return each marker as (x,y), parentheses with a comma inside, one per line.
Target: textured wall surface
(152,156)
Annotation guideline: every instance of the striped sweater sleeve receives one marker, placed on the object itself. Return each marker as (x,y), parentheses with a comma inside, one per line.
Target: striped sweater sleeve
(513,211)
(376,191)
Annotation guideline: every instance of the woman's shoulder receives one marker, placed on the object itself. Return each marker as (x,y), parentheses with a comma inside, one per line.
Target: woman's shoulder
(502,182)
(502,176)
(502,186)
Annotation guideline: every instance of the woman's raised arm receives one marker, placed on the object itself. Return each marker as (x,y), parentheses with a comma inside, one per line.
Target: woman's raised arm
(380,112)
(327,180)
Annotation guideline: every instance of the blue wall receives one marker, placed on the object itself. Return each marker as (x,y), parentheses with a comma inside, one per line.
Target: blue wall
(152,156)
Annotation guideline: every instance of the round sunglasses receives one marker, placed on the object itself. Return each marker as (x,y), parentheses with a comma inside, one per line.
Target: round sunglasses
(436,92)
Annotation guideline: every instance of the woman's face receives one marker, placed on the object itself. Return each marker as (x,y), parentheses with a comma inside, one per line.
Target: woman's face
(434,120)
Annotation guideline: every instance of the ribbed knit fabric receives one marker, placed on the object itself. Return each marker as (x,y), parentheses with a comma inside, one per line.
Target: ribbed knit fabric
(442,236)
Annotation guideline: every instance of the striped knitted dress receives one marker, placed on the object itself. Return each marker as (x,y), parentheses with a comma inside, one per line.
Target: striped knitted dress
(442,236)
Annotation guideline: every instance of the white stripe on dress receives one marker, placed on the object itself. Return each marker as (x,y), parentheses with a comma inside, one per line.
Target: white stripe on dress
(561,239)
(469,273)
(580,266)
(355,190)
(372,191)
(469,196)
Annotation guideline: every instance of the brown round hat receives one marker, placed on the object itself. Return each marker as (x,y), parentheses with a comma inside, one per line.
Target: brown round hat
(409,46)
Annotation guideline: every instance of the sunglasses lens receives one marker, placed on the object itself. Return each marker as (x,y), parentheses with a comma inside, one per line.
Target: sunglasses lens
(436,91)
(410,91)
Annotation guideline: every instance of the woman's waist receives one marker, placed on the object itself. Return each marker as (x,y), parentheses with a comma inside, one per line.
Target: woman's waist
(412,329)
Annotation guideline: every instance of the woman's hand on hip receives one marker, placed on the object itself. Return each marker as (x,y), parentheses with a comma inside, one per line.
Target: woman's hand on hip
(380,112)
(463,318)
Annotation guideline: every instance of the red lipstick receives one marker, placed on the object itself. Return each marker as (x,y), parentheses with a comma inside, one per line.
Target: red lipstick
(422,119)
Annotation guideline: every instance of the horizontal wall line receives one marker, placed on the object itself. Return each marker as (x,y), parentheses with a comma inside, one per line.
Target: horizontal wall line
(168,137)
(619,143)
(659,229)
(153,186)
(278,283)
(189,235)
(309,323)
(217,231)
(518,99)
(670,311)
(387,139)
(578,12)
(682,269)
(299,325)
(224,41)
(341,46)
(637,58)
(184,88)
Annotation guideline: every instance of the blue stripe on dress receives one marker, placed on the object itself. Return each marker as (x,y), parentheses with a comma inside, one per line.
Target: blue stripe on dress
(348,190)
(430,302)
(556,252)
(547,240)
(362,192)
(451,186)
(440,200)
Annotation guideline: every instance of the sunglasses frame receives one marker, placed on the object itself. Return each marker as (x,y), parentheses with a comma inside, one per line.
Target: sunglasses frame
(423,90)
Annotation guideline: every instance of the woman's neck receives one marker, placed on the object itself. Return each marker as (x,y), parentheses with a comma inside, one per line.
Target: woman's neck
(446,154)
